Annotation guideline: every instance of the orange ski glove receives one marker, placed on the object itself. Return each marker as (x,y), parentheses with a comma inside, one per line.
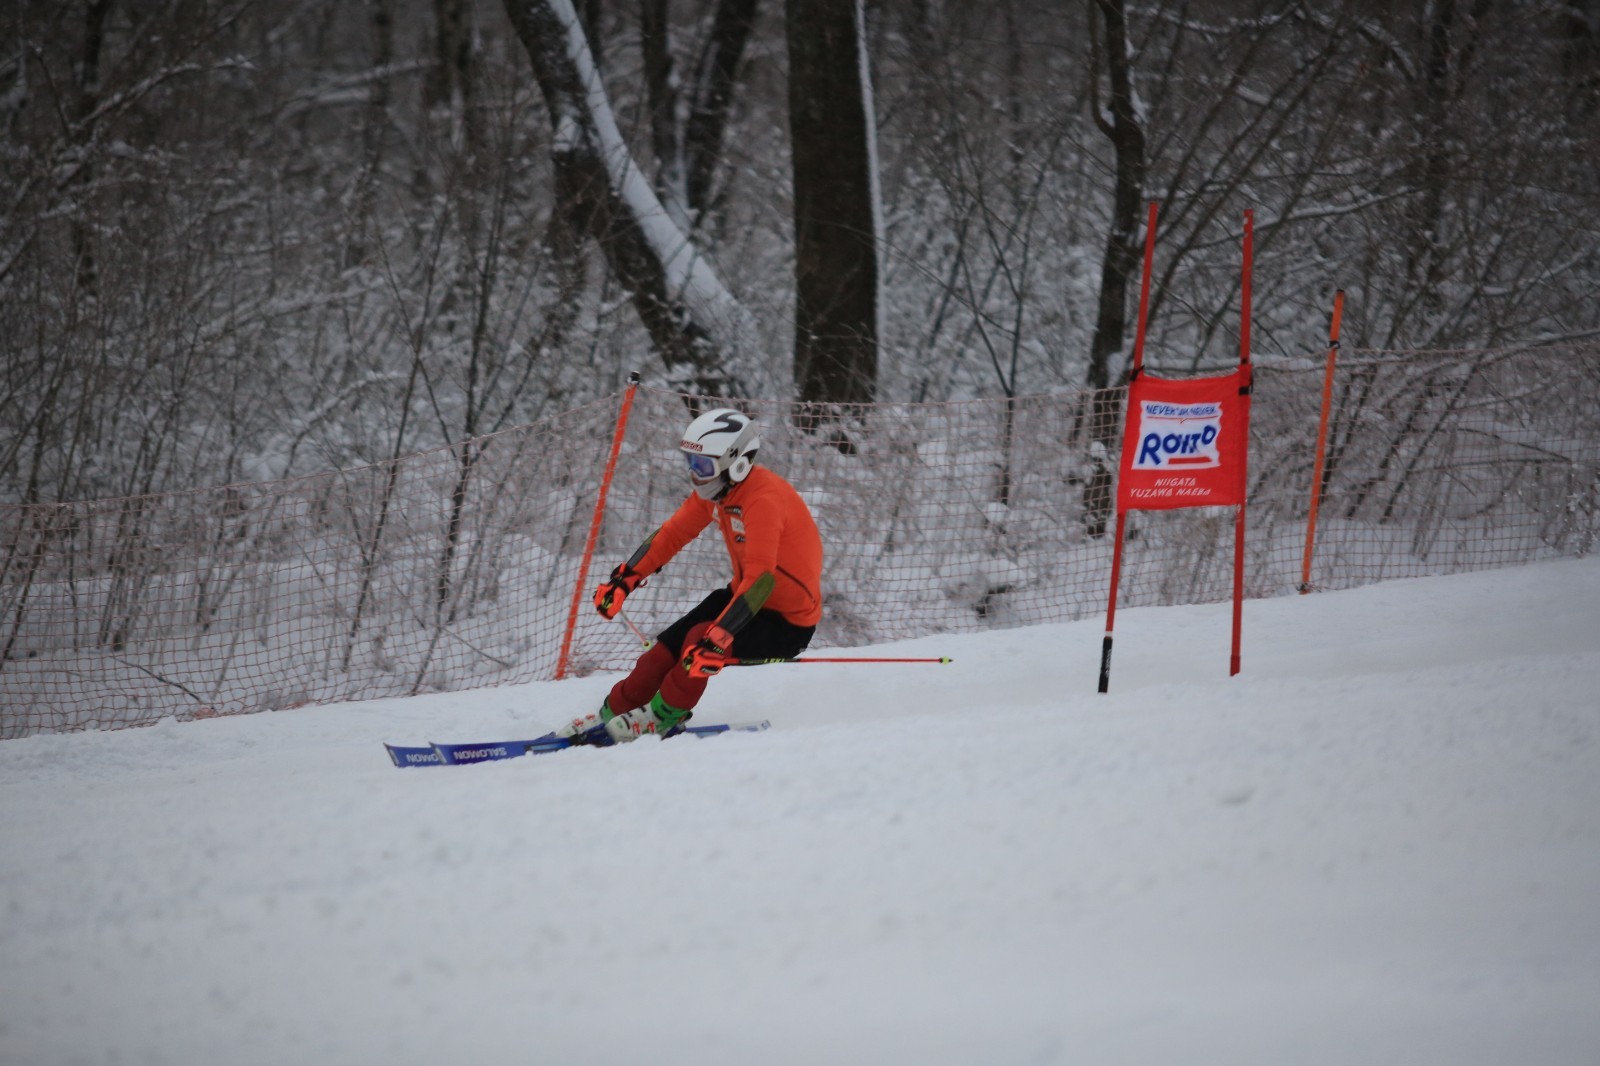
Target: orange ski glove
(711,654)
(609,596)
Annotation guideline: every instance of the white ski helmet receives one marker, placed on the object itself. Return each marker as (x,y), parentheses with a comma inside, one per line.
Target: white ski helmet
(721,448)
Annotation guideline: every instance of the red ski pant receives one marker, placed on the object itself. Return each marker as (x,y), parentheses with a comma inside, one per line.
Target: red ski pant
(660,669)
(768,636)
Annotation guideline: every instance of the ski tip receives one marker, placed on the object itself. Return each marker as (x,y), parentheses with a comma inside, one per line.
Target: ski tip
(731,727)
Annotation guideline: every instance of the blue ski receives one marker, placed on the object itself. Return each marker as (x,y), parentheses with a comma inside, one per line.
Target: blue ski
(464,754)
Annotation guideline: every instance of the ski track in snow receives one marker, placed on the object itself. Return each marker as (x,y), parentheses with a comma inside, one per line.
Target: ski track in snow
(1379,844)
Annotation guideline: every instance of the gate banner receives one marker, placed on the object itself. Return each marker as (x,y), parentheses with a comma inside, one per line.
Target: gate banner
(1184,442)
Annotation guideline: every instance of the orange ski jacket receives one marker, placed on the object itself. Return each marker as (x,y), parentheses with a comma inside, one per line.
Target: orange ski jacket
(767,528)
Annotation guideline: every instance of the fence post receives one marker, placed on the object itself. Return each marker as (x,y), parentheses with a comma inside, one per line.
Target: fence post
(594,524)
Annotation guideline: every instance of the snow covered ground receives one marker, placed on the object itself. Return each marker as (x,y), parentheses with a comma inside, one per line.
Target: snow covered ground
(1379,844)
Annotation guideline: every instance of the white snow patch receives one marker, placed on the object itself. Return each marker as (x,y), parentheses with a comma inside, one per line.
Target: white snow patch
(1379,843)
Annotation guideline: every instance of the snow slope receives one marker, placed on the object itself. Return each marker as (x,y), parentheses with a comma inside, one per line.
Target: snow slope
(1378,844)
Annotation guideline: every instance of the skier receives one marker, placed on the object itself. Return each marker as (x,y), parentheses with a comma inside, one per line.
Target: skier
(769,610)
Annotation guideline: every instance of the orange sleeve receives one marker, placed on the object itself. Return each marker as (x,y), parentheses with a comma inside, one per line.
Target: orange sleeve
(693,515)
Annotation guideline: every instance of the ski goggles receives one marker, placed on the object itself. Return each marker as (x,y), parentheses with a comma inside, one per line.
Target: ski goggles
(701,466)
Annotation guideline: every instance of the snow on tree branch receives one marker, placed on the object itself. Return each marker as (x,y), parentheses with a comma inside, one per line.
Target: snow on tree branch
(693,318)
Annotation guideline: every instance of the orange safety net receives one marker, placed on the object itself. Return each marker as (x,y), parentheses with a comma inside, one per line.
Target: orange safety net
(456,568)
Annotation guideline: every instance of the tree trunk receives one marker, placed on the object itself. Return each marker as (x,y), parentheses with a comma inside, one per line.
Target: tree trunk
(88,73)
(374,131)
(1123,126)
(835,210)
(713,98)
(687,124)
(1126,133)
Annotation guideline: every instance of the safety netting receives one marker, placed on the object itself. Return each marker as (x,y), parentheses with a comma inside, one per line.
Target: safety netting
(466,566)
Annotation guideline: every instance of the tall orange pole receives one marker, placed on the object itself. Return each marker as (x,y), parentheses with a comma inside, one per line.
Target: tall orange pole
(594,525)
(1322,442)
(1138,364)
(1238,520)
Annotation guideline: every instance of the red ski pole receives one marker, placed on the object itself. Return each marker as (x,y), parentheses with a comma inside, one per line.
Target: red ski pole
(647,641)
(838,659)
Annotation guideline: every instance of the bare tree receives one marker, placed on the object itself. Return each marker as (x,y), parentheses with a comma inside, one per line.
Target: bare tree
(1123,125)
(375,128)
(697,327)
(689,117)
(245,240)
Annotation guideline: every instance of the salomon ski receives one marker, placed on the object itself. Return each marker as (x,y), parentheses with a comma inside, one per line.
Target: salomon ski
(464,754)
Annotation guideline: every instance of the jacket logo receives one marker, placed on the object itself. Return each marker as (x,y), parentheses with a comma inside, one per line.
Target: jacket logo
(736,523)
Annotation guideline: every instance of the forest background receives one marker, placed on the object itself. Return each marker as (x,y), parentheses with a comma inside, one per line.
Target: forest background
(242,241)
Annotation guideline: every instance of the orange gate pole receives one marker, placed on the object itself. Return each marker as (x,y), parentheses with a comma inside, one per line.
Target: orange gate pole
(595,523)
(1244,483)
(1122,516)
(1322,442)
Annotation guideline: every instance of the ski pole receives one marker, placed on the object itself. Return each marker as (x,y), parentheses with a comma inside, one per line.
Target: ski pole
(646,641)
(837,659)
